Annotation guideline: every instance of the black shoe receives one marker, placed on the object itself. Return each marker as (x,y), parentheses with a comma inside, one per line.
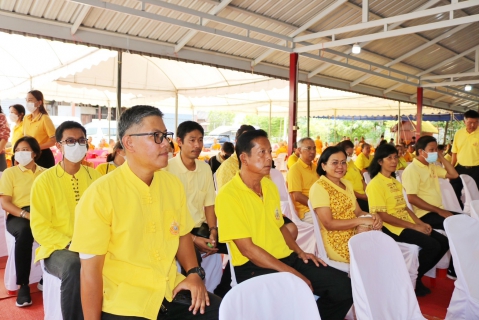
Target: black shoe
(421,289)
(451,274)
(40,284)
(23,296)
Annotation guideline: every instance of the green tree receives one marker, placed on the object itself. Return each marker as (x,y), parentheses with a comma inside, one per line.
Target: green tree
(277,125)
(220,118)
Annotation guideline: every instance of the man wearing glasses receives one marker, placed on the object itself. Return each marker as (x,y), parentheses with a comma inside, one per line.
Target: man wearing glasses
(301,177)
(55,194)
(129,228)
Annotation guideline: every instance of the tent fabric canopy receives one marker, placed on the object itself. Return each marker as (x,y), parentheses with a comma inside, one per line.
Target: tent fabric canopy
(426,117)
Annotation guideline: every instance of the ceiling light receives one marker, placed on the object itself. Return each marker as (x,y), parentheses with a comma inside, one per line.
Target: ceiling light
(468,87)
(356,48)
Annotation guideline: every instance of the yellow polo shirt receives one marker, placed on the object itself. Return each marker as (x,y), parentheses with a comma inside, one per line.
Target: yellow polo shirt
(41,128)
(137,227)
(354,176)
(54,196)
(227,171)
(362,162)
(385,195)
(16,182)
(448,157)
(402,164)
(283,149)
(466,145)
(422,180)
(242,214)
(198,184)
(292,159)
(105,168)
(300,178)
(17,133)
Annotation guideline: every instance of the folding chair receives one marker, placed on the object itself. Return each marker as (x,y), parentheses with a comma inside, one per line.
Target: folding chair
(470,192)
(51,295)
(367,177)
(449,199)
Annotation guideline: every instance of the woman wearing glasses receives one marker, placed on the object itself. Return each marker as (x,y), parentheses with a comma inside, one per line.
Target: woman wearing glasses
(39,125)
(15,186)
(332,198)
(113,160)
(386,199)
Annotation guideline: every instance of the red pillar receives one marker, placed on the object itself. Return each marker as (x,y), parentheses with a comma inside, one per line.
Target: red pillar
(419,113)
(293,100)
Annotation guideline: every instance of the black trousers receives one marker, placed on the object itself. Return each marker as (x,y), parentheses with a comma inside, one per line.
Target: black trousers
(473,172)
(433,247)
(46,159)
(20,229)
(177,311)
(331,285)
(363,204)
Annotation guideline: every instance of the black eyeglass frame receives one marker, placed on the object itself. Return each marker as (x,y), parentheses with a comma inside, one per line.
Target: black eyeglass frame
(71,144)
(156,135)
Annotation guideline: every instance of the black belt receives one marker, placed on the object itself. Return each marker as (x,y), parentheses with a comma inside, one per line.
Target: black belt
(469,167)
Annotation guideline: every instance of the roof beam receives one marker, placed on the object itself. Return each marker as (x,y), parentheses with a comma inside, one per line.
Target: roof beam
(385,21)
(412,52)
(365,11)
(215,10)
(308,24)
(452,75)
(185,24)
(81,16)
(450,83)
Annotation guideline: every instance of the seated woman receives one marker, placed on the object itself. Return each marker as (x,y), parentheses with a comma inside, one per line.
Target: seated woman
(364,158)
(386,198)
(353,175)
(15,186)
(113,160)
(332,198)
(227,149)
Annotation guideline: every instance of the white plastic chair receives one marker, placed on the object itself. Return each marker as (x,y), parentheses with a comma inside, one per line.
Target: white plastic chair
(475,209)
(278,179)
(213,267)
(279,295)
(379,279)
(449,199)
(367,177)
(51,296)
(470,192)
(10,272)
(233,275)
(280,162)
(464,243)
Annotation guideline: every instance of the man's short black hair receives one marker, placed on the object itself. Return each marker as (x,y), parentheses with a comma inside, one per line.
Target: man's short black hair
(188,126)
(228,147)
(243,128)
(246,142)
(134,116)
(65,126)
(422,142)
(471,114)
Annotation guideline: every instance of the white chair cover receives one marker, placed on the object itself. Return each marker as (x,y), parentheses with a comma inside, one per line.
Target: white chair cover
(379,279)
(3,232)
(449,199)
(214,270)
(278,179)
(406,199)
(10,272)
(233,275)
(399,175)
(475,209)
(216,184)
(279,295)
(464,243)
(320,249)
(280,162)
(51,296)
(470,192)
(367,177)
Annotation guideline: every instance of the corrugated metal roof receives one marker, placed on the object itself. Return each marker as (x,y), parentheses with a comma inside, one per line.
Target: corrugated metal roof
(282,17)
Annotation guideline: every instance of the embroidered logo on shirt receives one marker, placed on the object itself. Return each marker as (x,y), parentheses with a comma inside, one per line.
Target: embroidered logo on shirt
(276,214)
(174,228)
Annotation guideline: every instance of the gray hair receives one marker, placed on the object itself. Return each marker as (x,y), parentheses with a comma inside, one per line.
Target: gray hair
(300,142)
(134,116)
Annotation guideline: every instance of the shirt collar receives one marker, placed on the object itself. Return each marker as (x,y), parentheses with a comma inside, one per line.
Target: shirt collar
(37,169)
(303,164)
(241,185)
(419,163)
(181,165)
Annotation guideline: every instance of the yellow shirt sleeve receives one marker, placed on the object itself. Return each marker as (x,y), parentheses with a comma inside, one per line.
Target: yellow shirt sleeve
(440,171)
(49,126)
(291,160)
(234,224)
(6,183)
(360,162)
(211,192)
(294,179)
(410,181)
(376,198)
(318,196)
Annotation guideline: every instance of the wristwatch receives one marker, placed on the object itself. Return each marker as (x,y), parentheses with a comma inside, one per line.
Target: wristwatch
(199,270)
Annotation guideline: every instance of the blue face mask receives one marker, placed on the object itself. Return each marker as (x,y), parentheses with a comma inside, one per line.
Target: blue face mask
(431,157)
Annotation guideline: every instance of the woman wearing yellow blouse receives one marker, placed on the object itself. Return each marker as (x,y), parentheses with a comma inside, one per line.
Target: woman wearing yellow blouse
(15,186)
(364,158)
(402,163)
(39,125)
(332,198)
(386,199)
(17,112)
(354,176)
(114,160)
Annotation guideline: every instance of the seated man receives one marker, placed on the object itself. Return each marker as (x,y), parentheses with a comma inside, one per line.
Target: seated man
(402,163)
(55,194)
(129,228)
(420,180)
(250,219)
(301,177)
(293,158)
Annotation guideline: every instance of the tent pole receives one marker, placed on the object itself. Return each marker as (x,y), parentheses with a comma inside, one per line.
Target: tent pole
(176,110)
(118,91)
(293,100)
(269,124)
(335,133)
(419,112)
(308,111)
(398,139)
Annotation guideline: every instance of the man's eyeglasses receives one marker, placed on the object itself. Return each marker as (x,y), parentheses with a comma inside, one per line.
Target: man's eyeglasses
(71,142)
(158,136)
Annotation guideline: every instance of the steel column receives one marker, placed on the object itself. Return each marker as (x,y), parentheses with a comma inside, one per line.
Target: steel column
(293,100)
(419,113)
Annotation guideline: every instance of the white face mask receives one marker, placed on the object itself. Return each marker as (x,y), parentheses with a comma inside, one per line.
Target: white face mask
(23,157)
(31,106)
(13,117)
(74,153)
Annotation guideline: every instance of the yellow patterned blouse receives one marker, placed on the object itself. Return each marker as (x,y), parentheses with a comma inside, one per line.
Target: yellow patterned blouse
(386,195)
(342,203)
